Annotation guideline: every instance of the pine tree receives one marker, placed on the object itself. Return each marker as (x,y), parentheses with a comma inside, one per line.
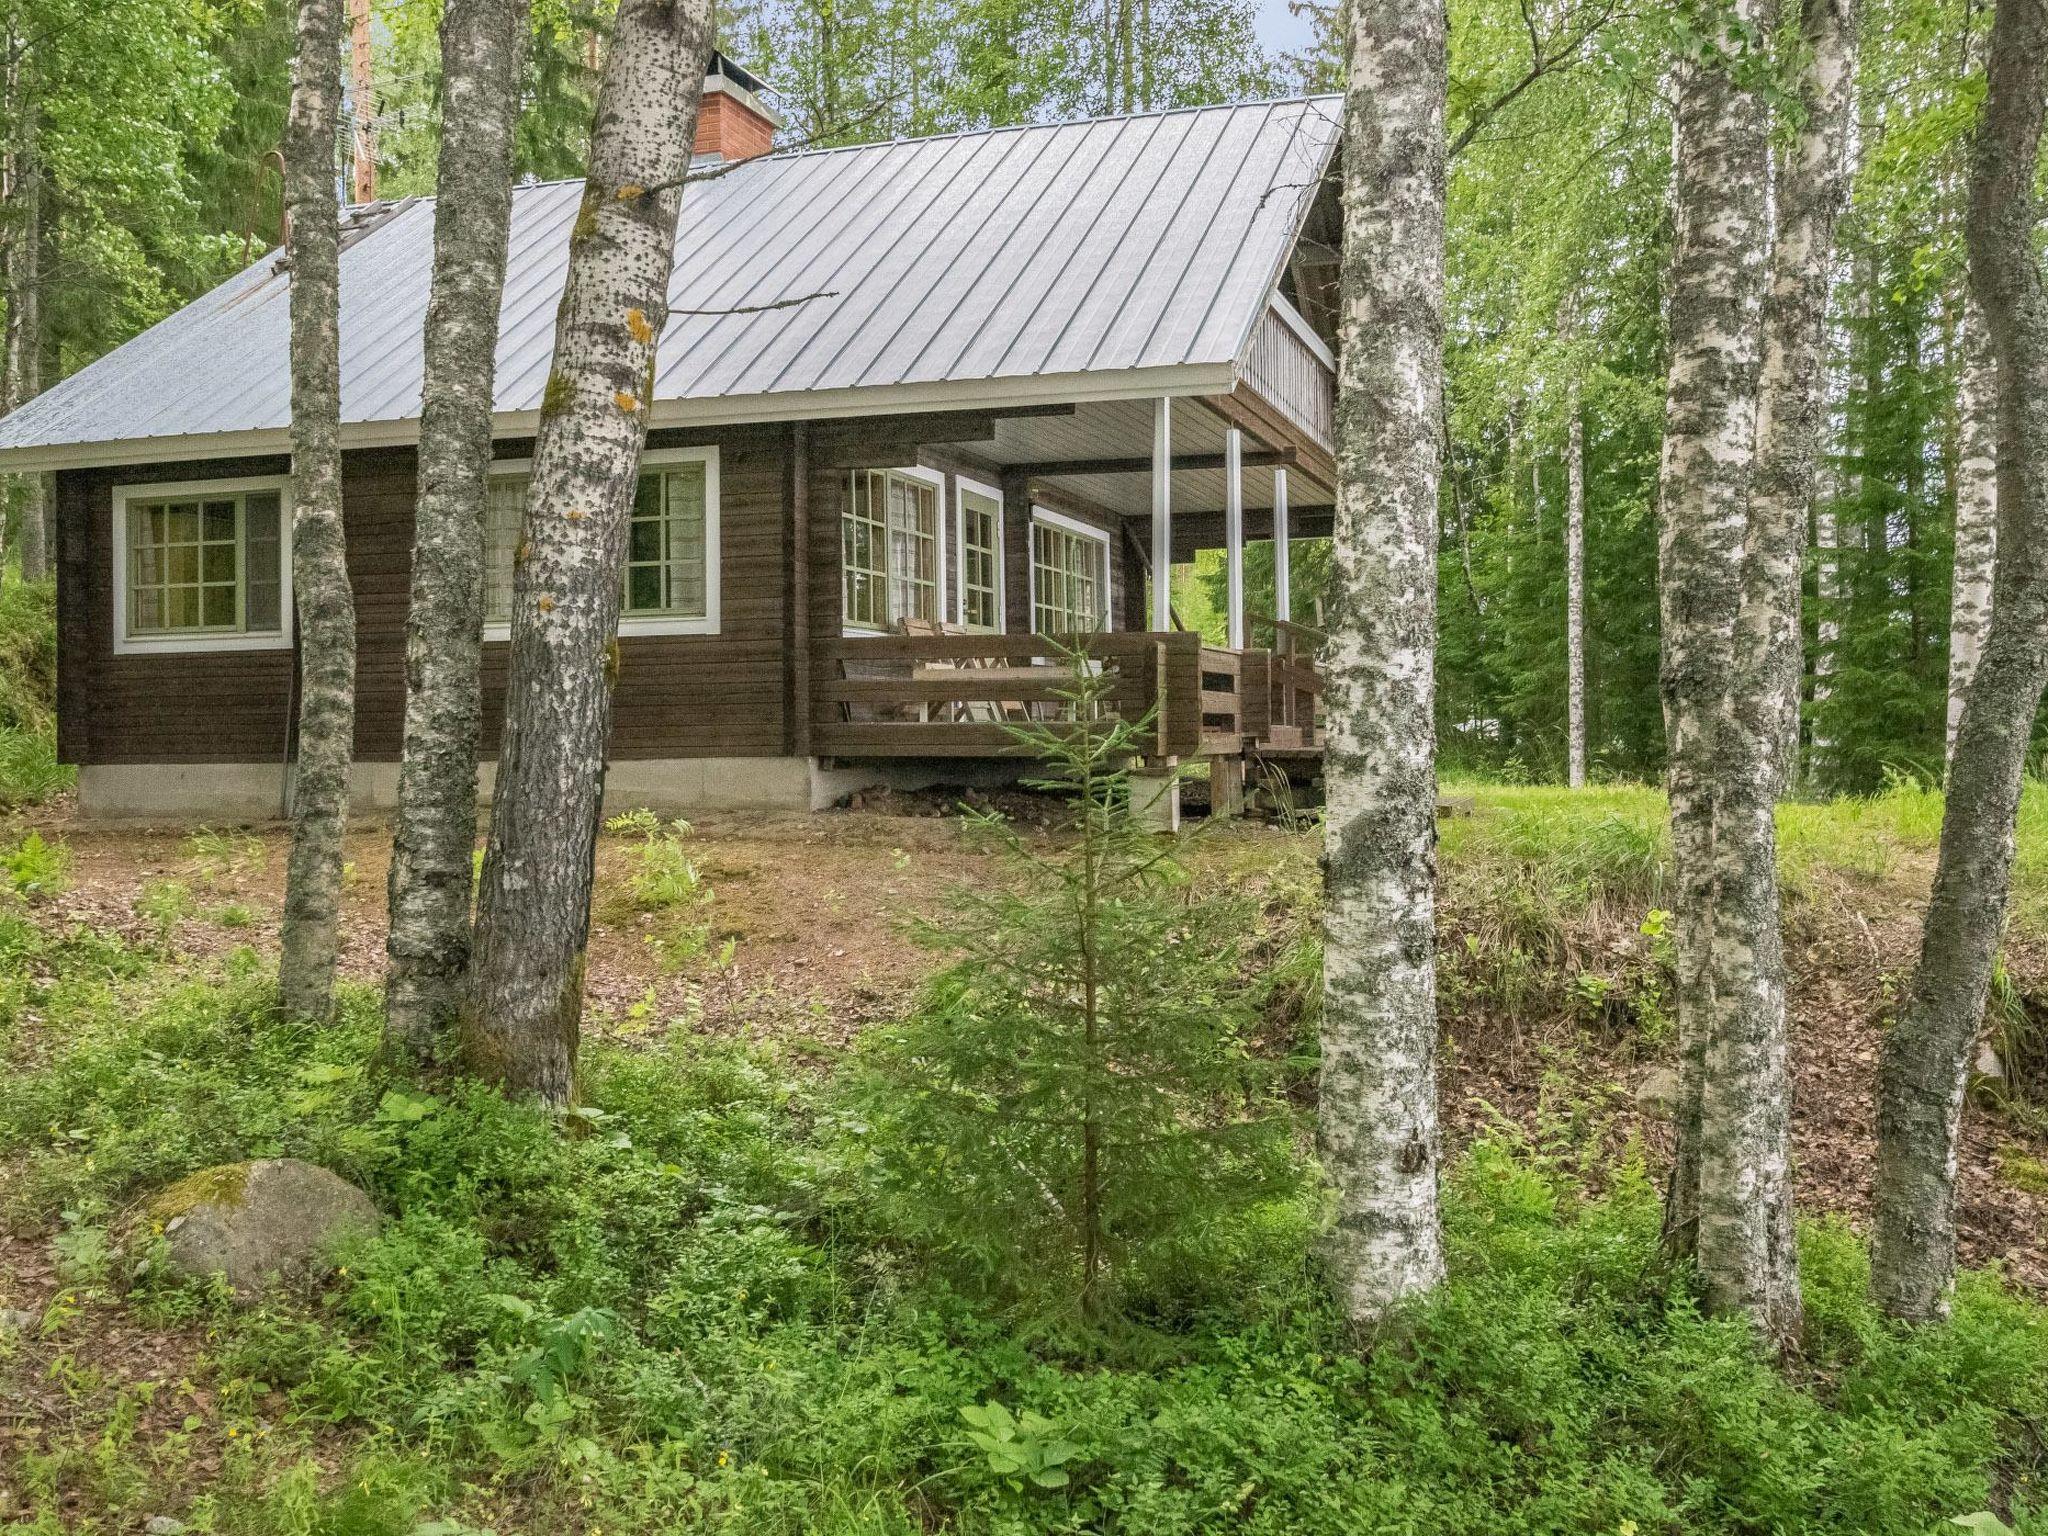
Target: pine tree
(1073,1109)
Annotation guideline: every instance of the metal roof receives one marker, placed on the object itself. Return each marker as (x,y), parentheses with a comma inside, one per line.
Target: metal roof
(1102,258)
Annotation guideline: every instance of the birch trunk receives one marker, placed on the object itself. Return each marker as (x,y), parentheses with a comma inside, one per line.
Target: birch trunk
(1703,485)
(434,836)
(1976,513)
(23,364)
(533,918)
(1377,1120)
(1928,1051)
(309,936)
(1575,593)
(1812,187)
(1748,1246)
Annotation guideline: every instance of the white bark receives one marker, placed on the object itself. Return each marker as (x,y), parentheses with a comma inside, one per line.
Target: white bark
(1703,485)
(1976,513)
(1575,594)
(1377,1119)
(434,833)
(533,917)
(310,934)
(1929,1050)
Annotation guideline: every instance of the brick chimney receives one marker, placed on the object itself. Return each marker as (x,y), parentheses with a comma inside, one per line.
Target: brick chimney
(735,121)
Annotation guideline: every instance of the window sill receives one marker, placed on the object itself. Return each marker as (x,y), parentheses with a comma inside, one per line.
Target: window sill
(190,644)
(629,629)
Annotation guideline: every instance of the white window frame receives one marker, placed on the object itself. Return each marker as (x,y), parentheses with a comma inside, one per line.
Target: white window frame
(962,484)
(631,625)
(279,639)
(1099,536)
(937,481)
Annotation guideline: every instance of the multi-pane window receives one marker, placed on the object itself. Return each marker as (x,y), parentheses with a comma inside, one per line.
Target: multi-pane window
(504,506)
(1069,573)
(205,565)
(889,549)
(665,546)
(668,553)
(981,591)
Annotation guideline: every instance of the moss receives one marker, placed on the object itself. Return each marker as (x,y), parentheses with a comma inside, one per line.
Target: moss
(224,1185)
(560,390)
(2023,1172)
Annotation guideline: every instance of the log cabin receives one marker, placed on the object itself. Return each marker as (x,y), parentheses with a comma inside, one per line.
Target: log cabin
(919,405)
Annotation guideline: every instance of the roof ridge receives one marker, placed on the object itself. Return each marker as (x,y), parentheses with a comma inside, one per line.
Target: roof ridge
(818,151)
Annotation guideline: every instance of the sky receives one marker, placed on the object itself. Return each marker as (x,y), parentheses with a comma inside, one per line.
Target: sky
(1279,29)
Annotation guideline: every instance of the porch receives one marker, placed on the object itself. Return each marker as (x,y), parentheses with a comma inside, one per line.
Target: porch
(942,696)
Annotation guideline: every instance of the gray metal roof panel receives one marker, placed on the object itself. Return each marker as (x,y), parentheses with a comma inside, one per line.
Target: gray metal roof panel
(1141,242)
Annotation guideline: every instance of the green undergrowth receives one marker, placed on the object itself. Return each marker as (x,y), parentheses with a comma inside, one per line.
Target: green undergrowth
(684,1308)
(29,771)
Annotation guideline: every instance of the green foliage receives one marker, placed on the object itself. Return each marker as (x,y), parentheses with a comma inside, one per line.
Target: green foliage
(29,770)
(676,1316)
(663,888)
(36,868)
(1073,1109)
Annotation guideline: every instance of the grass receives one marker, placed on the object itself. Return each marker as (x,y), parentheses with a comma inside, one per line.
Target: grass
(683,1308)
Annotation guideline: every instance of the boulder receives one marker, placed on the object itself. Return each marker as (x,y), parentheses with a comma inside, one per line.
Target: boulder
(1657,1092)
(1988,1063)
(250,1223)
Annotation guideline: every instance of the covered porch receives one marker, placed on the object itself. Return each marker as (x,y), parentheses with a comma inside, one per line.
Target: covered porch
(1142,483)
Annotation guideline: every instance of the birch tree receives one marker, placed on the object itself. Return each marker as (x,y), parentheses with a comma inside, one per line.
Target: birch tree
(1812,185)
(22,365)
(1928,1052)
(533,918)
(309,935)
(1703,482)
(1747,1245)
(1377,1116)
(1976,513)
(434,836)
(1575,591)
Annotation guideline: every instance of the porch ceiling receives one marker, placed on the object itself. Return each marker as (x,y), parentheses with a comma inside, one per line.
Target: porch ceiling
(1122,429)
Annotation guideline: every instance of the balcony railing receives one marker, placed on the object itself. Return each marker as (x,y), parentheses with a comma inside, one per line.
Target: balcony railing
(1293,371)
(962,695)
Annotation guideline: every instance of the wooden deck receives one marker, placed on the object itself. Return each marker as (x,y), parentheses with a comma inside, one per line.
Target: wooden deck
(959,695)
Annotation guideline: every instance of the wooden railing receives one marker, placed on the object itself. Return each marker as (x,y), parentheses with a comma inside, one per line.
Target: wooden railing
(1293,371)
(1293,688)
(963,695)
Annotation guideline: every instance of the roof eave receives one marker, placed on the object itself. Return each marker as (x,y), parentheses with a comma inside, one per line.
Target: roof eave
(1212,378)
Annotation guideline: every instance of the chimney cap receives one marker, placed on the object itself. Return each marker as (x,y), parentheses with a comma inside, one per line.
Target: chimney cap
(737,73)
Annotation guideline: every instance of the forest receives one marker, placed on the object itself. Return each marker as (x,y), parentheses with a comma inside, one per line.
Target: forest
(1611,1097)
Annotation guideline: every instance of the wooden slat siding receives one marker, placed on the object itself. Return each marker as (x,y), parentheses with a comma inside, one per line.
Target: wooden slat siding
(796,628)
(678,695)
(201,707)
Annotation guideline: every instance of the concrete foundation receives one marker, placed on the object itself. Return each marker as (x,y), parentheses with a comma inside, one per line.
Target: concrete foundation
(1155,800)
(248,792)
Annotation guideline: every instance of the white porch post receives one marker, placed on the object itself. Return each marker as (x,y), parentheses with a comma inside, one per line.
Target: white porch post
(1162,513)
(1283,594)
(1233,538)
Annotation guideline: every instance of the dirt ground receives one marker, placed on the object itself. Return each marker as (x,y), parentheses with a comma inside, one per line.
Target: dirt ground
(806,941)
